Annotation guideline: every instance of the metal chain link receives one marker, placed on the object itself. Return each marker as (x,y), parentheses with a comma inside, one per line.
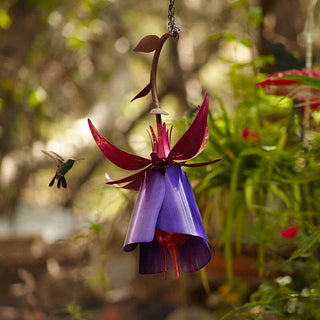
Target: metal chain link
(172,24)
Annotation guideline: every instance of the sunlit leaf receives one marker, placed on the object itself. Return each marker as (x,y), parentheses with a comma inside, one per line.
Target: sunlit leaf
(248,193)
(37,97)
(5,20)
(205,280)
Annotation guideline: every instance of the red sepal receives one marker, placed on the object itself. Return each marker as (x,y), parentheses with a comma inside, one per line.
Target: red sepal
(195,138)
(132,185)
(120,158)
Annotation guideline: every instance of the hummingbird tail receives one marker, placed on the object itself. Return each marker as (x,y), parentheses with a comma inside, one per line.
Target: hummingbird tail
(64,182)
(52,181)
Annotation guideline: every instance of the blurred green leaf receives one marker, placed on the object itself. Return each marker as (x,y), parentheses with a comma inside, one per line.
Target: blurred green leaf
(309,81)
(5,20)
(255,15)
(249,193)
(307,243)
(1,104)
(229,36)
(265,295)
(37,97)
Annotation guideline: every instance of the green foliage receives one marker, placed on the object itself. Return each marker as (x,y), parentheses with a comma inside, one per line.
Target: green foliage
(308,81)
(5,20)
(266,181)
(229,36)
(74,311)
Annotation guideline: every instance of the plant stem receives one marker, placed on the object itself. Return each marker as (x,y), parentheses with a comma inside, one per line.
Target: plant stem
(153,75)
(153,78)
(260,259)
(228,254)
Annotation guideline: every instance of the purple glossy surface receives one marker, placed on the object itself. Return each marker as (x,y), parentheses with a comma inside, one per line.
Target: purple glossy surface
(167,202)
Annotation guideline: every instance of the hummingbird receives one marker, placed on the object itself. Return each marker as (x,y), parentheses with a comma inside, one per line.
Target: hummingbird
(63,166)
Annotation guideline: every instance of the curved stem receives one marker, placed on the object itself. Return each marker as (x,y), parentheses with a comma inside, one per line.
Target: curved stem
(153,75)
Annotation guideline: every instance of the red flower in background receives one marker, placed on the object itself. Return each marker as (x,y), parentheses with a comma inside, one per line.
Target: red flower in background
(289,232)
(275,84)
(248,134)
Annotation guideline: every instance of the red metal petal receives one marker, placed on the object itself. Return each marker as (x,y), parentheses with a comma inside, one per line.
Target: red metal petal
(166,146)
(126,179)
(169,135)
(205,138)
(154,140)
(120,158)
(195,138)
(134,185)
(161,152)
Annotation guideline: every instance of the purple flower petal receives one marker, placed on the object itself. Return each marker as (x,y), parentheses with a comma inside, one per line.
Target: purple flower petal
(194,254)
(179,211)
(120,158)
(179,214)
(146,211)
(195,138)
(168,204)
(150,258)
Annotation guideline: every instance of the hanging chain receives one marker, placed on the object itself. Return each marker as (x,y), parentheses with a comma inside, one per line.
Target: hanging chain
(172,24)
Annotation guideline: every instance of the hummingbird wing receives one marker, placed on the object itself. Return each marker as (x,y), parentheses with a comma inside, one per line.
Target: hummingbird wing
(54,156)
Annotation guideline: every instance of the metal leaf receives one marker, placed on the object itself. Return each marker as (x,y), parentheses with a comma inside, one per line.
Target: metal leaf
(143,92)
(147,44)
